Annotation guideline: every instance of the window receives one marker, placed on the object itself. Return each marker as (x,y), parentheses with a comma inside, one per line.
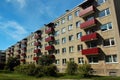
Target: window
(57,51)
(77,13)
(79,35)
(109,42)
(79,47)
(57,24)
(105,12)
(80,60)
(71,49)
(63,20)
(63,40)
(106,27)
(57,33)
(63,61)
(63,30)
(71,38)
(111,58)
(101,1)
(57,61)
(70,27)
(57,42)
(63,50)
(78,24)
(69,17)
(71,59)
(93,59)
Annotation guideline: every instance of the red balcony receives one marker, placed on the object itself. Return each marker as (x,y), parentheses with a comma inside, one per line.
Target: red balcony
(87,11)
(50,47)
(88,24)
(91,51)
(23,54)
(89,37)
(50,38)
(37,51)
(37,43)
(37,36)
(35,58)
(49,30)
(22,60)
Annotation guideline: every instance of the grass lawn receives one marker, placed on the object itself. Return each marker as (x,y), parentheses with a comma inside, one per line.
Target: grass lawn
(13,76)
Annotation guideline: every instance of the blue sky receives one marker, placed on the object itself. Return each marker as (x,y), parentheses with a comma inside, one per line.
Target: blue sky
(18,18)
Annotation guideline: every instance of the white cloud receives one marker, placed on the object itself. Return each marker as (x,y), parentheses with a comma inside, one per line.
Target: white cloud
(13,29)
(21,3)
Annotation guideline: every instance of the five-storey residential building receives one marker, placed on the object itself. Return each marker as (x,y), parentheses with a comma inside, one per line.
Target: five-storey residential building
(87,33)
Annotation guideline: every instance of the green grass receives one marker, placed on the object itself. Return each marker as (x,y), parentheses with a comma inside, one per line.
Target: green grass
(14,76)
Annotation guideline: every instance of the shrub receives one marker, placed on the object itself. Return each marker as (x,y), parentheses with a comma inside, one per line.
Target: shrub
(84,70)
(2,65)
(71,68)
(38,71)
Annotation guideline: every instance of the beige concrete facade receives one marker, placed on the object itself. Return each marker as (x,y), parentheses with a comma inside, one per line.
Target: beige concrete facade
(102,51)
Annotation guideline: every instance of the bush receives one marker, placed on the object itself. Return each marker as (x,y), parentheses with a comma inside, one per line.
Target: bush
(71,68)
(2,65)
(84,70)
(38,71)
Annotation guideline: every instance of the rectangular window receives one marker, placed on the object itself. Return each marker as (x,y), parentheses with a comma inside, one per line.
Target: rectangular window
(77,13)
(57,51)
(57,24)
(63,40)
(57,61)
(71,49)
(63,61)
(101,1)
(80,60)
(63,50)
(63,20)
(69,17)
(63,30)
(71,38)
(109,42)
(70,27)
(57,42)
(71,59)
(105,12)
(79,47)
(79,35)
(57,33)
(78,24)
(106,27)
(111,59)
(93,59)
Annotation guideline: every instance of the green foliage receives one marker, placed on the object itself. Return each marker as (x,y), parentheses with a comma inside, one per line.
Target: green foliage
(46,60)
(84,70)
(71,68)
(11,63)
(2,65)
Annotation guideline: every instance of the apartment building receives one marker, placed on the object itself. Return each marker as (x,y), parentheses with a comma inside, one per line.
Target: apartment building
(87,33)
(2,56)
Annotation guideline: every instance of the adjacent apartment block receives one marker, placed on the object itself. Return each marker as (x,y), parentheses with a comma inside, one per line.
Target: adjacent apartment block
(90,33)
(2,56)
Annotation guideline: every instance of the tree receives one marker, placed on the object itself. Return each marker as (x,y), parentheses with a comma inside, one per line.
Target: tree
(71,68)
(11,63)
(46,60)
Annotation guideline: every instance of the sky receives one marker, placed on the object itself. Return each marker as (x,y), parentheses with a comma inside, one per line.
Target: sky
(18,18)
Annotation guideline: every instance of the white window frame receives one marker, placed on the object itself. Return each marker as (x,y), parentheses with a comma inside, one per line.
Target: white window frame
(81,47)
(110,41)
(103,1)
(78,24)
(77,13)
(105,11)
(63,40)
(64,61)
(71,49)
(80,60)
(71,37)
(79,35)
(57,61)
(62,20)
(70,27)
(107,24)
(92,57)
(63,30)
(112,59)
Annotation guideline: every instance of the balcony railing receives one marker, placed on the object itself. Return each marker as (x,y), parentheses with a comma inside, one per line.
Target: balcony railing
(37,51)
(50,47)
(88,24)
(49,30)
(91,51)
(50,38)
(89,37)
(35,58)
(37,43)
(87,11)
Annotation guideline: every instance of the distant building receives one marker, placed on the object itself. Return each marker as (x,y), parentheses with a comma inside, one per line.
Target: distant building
(90,33)
(2,56)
